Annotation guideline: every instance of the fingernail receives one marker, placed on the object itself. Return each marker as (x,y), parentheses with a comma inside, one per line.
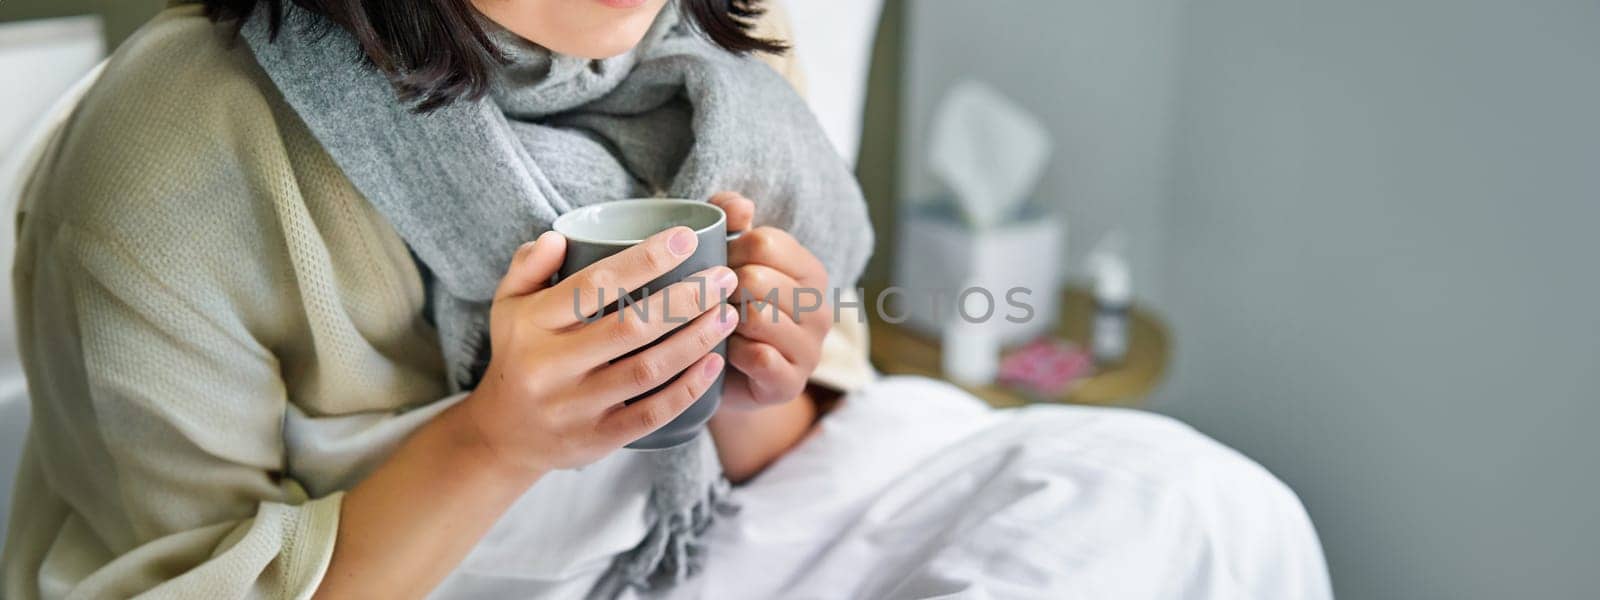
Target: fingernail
(682,242)
(728,318)
(527,247)
(713,366)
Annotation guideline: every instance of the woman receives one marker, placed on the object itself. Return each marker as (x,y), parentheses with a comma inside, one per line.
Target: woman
(287,334)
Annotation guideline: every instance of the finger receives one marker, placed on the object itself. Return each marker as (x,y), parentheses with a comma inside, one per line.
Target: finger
(761,286)
(633,326)
(625,424)
(646,370)
(798,345)
(775,248)
(741,211)
(532,266)
(586,292)
(736,391)
(772,379)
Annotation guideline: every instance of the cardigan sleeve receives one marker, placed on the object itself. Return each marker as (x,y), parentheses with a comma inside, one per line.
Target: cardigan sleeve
(154,311)
(158,438)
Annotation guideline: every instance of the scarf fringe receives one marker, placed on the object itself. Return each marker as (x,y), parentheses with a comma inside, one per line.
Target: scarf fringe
(674,549)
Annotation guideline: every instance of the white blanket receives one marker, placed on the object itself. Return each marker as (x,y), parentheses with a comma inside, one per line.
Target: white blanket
(914,489)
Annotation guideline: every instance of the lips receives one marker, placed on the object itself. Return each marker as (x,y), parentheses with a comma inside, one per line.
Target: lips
(623,3)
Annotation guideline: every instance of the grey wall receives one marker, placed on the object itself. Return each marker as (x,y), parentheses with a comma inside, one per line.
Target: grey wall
(1098,72)
(1383,277)
(1372,225)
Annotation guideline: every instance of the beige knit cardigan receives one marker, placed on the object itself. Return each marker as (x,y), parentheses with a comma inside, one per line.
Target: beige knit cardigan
(192,273)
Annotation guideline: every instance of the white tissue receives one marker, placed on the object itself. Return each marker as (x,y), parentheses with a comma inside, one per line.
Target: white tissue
(989,151)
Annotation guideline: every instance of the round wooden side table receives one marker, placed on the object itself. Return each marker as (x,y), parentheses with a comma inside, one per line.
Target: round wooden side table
(897,350)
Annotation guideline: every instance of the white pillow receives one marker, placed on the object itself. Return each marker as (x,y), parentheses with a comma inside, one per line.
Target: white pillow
(45,66)
(39,63)
(834,40)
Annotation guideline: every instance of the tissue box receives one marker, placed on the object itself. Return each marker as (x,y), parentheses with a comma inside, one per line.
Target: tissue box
(940,257)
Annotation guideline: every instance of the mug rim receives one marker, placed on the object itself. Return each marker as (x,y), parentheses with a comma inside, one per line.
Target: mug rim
(557,225)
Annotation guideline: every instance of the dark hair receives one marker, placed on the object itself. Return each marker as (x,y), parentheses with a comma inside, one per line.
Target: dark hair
(436,52)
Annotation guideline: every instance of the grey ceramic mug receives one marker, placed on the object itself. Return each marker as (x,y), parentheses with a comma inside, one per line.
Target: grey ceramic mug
(600,230)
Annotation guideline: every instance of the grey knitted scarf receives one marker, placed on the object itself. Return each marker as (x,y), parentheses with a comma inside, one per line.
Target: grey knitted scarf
(467,184)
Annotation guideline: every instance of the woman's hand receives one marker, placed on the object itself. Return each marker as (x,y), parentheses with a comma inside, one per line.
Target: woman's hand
(551,398)
(784,313)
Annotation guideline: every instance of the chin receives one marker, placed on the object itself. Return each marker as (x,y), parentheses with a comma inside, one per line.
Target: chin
(592,29)
(604,46)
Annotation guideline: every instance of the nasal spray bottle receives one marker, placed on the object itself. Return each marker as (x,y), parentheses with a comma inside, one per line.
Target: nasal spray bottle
(1113,298)
(971,354)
